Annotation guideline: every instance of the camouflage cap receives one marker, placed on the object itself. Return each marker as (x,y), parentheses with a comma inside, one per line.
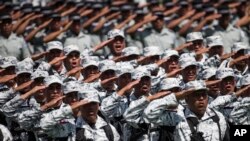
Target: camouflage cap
(193,36)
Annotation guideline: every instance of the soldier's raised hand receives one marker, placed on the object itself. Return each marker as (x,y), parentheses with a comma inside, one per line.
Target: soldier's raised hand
(57,59)
(128,87)
(158,95)
(7,78)
(182,94)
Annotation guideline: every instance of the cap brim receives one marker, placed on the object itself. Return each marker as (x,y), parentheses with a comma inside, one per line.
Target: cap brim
(52,48)
(72,51)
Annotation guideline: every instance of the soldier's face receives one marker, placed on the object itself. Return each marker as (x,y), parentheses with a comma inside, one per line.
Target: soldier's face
(189,73)
(214,90)
(238,54)
(216,50)
(107,74)
(246,93)
(6,27)
(197,102)
(71,98)
(154,59)
(73,60)
(89,112)
(117,45)
(22,78)
(227,85)
(224,20)
(123,80)
(54,91)
(53,54)
(196,46)
(39,82)
(158,24)
(171,64)
(90,71)
(9,71)
(144,85)
(76,27)
(56,24)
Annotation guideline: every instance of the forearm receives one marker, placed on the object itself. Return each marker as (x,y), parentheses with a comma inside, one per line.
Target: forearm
(52,36)
(200,26)
(113,105)
(155,109)
(175,22)
(185,28)
(99,25)
(20,30)
(50,119)
(11,107)
(32,34)
(134,28)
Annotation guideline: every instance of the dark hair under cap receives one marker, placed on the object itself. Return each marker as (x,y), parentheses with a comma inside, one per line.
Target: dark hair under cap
(127,7)
(55,15)
(115,8)
(159,14)
(183,3)
(5,17)
(153,1)
(75,17)
(169,4)
(98,5)
(224,9)
(8,4)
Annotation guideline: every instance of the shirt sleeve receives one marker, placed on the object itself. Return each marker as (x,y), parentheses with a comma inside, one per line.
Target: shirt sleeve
(241,114)
(11,108)
(114,105)
(133,114)
(221,101)
(49,120)
(157,112)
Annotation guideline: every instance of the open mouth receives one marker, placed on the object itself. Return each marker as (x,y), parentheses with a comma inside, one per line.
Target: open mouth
(145,88)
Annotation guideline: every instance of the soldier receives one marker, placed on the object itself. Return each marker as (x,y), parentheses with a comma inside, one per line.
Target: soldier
(90,65)
(57,121)
(240,114)
(107,69)
(189,68)
(72,60)
(241,68)
(193,121)
(91,125)
(172,63)
(76,36)
(54,57)
(118,43)
(8,64)
(196,39)
(22,102)
(227,99)
(229,34)
(209,74)
(115,105)
(10,44)
(159,35)
(139,99)
(71,90)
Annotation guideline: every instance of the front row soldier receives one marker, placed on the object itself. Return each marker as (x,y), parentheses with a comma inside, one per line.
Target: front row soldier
(196,120)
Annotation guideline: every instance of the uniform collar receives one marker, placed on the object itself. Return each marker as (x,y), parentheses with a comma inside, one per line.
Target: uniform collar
(229,28)
(81,123)
(164,31)
(208,114)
